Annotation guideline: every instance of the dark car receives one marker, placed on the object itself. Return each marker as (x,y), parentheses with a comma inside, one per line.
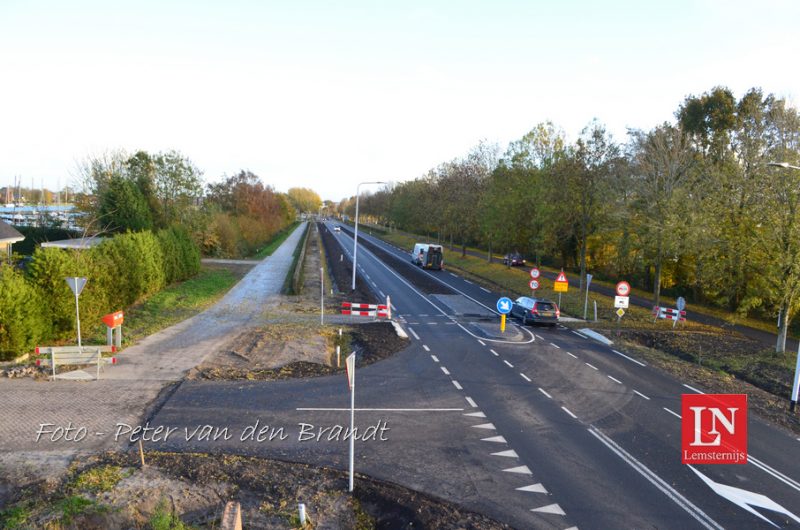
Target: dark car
(513,259)
(535,310)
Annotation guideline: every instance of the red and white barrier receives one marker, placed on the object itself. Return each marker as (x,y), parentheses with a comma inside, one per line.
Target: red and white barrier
(669,314)
(368,310)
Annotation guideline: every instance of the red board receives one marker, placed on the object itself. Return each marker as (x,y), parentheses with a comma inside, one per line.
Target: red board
(114,319)
(623,289)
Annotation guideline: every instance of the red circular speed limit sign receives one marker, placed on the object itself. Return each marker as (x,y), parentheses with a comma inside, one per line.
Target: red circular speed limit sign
(534,284)
(623,288)
(534,273)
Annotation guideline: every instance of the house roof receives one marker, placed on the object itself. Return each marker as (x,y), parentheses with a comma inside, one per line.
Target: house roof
(9,234)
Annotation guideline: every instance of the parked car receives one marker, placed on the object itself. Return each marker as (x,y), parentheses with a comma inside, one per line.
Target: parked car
(535,310)
(513,259)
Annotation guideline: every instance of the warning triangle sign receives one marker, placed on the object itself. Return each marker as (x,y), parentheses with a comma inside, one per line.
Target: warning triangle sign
(561,277)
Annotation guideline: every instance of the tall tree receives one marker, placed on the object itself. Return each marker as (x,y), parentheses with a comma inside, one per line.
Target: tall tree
(305,200)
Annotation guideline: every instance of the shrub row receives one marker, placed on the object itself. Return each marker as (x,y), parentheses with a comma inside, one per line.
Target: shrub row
(120,271)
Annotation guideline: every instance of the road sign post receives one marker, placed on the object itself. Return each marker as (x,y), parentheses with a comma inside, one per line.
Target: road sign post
(76,285)
(503,307)
(350,365)
(586,299)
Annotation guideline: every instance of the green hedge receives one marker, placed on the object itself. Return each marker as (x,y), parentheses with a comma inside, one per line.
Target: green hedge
(120,272)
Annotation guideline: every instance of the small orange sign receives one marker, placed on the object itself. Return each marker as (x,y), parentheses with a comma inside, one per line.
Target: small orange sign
(114,319)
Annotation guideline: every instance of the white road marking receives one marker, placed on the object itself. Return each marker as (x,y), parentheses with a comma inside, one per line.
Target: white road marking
(543,391)
(525,377)
(393,307)
(550,508)
(673,413)
(423,315)
(496,439)
(509,454)
(591,366)
(471,402)
(333,409)
(478,414)
(579,334)
(555,345)
(565,409)
(446,372)
(540,338)
(424,347)
(572,355)
(435,358)
(469,282)
(488,426)
(640,394)
(774,472)
(411,330)
(482,343)
(485,289)
(495,353)
(631,359)
(693,389)
(654,479)
(508,364)
(453,275)
(455,383)
(522,470)
(615,380)
(533,488)
(431,323)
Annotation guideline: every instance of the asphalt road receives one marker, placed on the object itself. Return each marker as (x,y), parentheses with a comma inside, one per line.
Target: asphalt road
(539,428)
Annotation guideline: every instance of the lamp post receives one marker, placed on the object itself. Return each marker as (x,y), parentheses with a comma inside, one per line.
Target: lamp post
(796,384)
(355,237)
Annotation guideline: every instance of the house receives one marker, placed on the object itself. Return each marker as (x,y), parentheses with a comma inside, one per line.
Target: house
(8,236)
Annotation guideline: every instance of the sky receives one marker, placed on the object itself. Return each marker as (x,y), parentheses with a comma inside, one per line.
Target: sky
(325,95)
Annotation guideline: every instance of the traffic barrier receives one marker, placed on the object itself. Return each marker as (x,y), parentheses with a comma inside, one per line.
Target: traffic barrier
(365,310)
(668,313)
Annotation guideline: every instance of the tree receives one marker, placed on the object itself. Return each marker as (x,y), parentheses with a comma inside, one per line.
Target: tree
(304,200)
(123,207)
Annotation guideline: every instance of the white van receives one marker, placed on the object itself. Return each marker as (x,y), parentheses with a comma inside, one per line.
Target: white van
(428,256)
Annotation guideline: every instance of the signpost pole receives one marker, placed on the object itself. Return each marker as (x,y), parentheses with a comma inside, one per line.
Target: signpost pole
(350,363)
(321,296)
(586,299)
(503,323)
(796,385)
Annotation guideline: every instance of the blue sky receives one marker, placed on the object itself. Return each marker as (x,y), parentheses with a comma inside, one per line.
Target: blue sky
(325,95)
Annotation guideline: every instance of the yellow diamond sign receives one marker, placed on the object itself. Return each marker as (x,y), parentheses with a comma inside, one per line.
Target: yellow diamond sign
(620,312)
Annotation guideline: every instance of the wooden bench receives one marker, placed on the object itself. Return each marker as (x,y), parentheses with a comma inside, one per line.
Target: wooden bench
(68,355)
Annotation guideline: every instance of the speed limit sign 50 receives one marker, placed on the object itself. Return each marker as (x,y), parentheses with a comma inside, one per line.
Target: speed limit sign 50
(623,288)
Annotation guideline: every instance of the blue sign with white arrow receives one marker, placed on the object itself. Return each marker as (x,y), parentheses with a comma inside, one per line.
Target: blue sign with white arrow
(504,305)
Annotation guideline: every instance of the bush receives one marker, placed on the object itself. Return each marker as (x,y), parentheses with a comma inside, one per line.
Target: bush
(47,273)
(23,318)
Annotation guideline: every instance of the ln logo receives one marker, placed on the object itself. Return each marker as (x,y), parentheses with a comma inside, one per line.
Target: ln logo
(714,429)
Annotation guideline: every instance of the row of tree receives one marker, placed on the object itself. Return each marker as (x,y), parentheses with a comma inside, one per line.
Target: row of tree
(696,206)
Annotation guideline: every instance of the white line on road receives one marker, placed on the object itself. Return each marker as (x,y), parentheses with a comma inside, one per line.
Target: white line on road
(629,358)
(446,372)
(469,282)
(455,383)
(774,472)
(471,402)
(555,345)
(525,377)
(640,394)
(579,334)
(572,355)
(411,330)
(424,347)
(565,409)
(508,363)
(654,479)
(693,389)
(495,353)
(540,338)
(485,289)
(306,409)
(543,391)
(453,275)
(382,294)
(482,343)
(590,366)
(431,323)
(435,358)
(673,413)
(615,380)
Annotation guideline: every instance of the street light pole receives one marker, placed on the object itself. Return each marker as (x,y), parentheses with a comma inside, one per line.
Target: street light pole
(355,237)
(784,330)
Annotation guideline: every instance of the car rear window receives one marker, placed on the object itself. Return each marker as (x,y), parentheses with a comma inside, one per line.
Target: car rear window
(545,306)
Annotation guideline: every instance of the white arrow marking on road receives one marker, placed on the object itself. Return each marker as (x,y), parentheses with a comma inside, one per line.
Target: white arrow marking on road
(510,454)
(550,508)
(497,439)
(476,414)
(533,488)
(523,470)
(746,499)
(484,426)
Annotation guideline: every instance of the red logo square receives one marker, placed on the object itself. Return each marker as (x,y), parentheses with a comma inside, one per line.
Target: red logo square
(714,428)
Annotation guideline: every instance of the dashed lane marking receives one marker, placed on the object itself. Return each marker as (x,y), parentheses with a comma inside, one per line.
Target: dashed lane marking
(673,413)
(411,330)
(525,377)
(495,353)
(424,347)
(539,337)
(555,345)
(482,343)
(631,359)
(580,334)
(533,488)
(431,323)
(508,364)
(693,389)
(550,508)
(591,366)
(469,282)
(485,289)
(488,426)
(382,294)
(478,414)
(423,315)
(565,409)
(543,391)
(435,358)
(508,454)
(455,383)
(445,370)
(471,402)
(495,439)
(572,355)
(640,394)
(615,380)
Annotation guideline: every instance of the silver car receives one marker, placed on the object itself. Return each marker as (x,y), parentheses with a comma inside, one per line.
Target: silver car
(535,310)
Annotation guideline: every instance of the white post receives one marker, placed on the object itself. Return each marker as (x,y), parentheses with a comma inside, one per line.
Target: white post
(595,310)
(389,306)
(301,508)
(338,356)
(586,299)
(355,251)
(352,416)
(796,385)
(321,296)
(78,319)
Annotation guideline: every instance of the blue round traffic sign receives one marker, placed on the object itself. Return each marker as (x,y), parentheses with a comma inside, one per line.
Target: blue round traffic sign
(504,305)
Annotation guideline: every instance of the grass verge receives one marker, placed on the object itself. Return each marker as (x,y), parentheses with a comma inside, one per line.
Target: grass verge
(276,241)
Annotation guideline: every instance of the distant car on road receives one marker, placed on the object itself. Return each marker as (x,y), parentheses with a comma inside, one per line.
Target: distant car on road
(513,259)
(535,310)
(336,228)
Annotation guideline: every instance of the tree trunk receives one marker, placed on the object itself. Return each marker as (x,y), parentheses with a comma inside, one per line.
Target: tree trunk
(489,257)
(780,347)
